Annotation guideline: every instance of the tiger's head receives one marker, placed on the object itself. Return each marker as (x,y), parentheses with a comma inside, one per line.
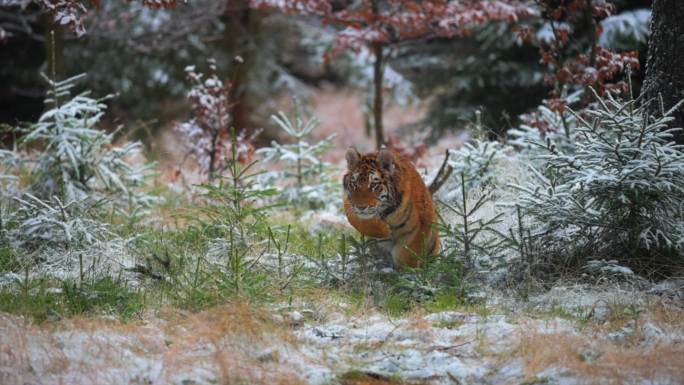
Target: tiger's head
(370,183)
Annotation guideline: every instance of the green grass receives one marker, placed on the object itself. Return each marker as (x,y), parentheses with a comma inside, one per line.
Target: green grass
(396,304)
(8,260)
(355,376)
(42,299)
(176,272)
(446,300)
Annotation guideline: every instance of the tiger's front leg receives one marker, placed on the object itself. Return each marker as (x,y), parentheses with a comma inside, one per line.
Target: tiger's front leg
(421,242)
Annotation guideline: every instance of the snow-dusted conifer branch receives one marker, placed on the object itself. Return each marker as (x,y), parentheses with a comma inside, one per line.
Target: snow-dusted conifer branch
(72,174)
(79,160)
(617,193)
(312,182)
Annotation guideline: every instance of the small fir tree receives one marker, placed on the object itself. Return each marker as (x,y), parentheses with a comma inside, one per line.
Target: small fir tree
(617,193)
(305,178)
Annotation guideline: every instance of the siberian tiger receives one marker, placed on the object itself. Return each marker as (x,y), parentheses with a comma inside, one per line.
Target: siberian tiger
(385,198)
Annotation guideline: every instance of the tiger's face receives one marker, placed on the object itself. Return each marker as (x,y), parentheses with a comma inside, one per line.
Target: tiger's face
(368,183)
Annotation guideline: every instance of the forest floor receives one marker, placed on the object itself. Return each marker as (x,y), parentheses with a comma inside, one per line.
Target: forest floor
(570,335)
(618,332)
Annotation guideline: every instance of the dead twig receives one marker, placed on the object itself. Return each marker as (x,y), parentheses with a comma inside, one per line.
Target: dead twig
(442,176)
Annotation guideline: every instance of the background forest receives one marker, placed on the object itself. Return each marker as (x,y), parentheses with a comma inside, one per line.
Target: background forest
(171,191)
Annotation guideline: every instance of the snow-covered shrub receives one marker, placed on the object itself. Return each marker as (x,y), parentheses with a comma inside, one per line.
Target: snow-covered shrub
(618,194)
(78,160)
(39,224)
(305,178)
(478,162)
(73,176)
(470,219)
(65,240)
(9,161)
(543,128)
(469,232)
(8,179)
(207,133)
(626,30)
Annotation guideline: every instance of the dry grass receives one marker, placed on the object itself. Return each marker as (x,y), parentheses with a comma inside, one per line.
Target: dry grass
(416,320)
(615,363)
(235,332)
(667,316)
(591,355)
(225,344)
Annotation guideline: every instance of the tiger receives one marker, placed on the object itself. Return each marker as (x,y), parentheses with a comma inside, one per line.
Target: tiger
(385,198)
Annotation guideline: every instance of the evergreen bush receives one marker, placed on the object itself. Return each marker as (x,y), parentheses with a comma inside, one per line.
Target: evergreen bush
(68,184)
(306,179)
(617,193)
(77,159)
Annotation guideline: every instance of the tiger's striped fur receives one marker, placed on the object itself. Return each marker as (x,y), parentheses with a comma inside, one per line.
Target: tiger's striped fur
(385,197)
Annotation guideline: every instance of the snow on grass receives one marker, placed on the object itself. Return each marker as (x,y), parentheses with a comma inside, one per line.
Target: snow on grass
(238,342)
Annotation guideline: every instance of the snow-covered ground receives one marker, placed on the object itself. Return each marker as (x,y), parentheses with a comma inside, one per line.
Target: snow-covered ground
(571,335)
(626,332)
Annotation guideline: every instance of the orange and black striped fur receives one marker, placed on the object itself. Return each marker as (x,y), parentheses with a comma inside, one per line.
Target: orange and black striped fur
(385,197)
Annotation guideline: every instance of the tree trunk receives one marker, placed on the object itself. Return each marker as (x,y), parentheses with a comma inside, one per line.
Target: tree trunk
(240,24)
(665,64)
(378,75)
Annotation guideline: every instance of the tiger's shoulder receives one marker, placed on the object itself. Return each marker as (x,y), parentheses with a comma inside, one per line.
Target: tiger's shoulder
(411,184)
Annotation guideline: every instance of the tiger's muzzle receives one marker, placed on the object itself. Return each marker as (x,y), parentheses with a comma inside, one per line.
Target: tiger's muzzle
(366,212)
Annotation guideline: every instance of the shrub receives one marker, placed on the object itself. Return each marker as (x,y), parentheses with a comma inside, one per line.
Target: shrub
(306,179)
(235,218)
(72,178)
(543,128)
(478,162)
(617,193)
(471,222)
(206,132)
(78,160)
(39,224)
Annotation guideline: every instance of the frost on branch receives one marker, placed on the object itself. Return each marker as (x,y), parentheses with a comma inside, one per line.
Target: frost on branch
(617,193)
(368,21)
(78,159)
(624,29)
(478,162)
(543,129)
(207,133)
(71,13)
(67,13)
(306,178)
(53,223)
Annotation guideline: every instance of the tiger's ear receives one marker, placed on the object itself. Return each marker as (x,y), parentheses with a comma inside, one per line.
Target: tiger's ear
(386,160)
(352,157)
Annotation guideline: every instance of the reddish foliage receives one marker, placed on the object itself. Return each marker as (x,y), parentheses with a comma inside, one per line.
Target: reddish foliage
(66,12)
(208,131)
(70,13)
(158,3)
(370,21)
(570,65)
(377,24)
(534,119)
(606,67)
